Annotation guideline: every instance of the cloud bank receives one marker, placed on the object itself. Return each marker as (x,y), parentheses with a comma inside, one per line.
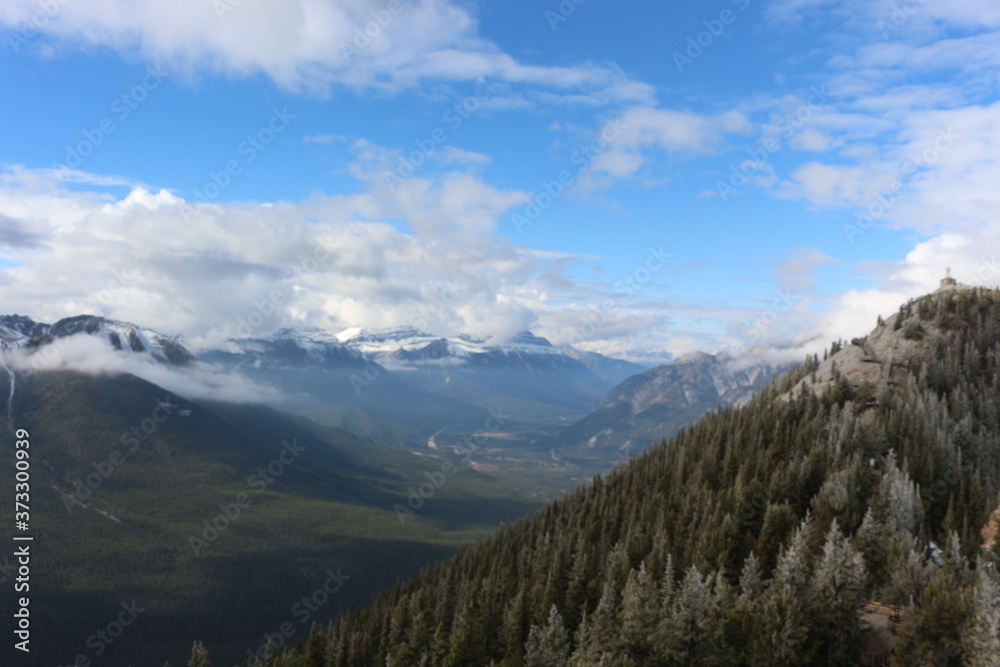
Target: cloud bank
(83,353)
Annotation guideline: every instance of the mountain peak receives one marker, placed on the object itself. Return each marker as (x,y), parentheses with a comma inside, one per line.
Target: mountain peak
(17,330)
(528,338)
(124,337)
(378,335)
(697,357)
(880,359)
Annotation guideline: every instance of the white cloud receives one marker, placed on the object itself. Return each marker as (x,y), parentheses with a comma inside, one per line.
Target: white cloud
(631,141)
(938,173)
(797,272)
(425,254)
(313,45)
(92,355)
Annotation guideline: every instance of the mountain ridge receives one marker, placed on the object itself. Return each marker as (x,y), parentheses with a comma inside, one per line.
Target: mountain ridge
(753,537)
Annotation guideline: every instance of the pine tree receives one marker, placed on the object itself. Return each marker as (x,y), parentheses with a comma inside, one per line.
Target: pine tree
(512,632)
(466,640)
(743,617)
(640,613)
(899,506)
(199,656)
(785,613)
(933,629)
(547,646)
(981,635)
(837,587)
(314,647)
(684,626)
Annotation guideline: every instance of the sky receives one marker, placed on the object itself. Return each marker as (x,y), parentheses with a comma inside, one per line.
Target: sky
(640,181)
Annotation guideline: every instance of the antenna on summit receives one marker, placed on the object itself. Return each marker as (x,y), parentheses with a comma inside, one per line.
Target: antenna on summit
(948,280)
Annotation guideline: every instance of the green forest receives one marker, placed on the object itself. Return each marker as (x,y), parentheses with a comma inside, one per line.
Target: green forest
(753,537)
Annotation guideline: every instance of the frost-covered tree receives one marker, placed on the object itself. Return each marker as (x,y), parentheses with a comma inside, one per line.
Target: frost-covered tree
(784,622)
(639,612)
(837,587)
(547,646)
(982,633)
(199,656)
(898,506)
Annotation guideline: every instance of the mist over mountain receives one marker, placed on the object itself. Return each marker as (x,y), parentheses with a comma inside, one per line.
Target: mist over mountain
(21,331)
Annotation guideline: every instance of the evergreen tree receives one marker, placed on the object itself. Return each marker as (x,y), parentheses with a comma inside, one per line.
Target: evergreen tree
(981,635)
(899,506)
(547,646)
(837,587)
(785,622)
(933,629)
(639,613)
(199,656)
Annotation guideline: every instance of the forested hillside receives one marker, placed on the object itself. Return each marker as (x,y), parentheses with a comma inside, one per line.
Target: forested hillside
(199,511)
(751,538)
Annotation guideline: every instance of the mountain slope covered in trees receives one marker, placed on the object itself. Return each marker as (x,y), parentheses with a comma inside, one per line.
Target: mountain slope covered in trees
(195,512)
(751,538)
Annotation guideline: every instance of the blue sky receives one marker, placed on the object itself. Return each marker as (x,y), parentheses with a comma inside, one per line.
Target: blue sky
(808,164)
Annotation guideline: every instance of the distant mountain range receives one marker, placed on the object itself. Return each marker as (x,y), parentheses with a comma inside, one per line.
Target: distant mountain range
(543,419)
(403,386)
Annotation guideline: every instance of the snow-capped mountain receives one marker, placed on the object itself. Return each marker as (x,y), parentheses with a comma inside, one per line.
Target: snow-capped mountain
(410,349)
(407,376)
(287,348)
(17,329)
(21,331)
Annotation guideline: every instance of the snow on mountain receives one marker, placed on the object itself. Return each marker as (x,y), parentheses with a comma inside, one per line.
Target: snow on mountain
(124,336)
(288,348)
(416,346)
(21,331)
(15,330)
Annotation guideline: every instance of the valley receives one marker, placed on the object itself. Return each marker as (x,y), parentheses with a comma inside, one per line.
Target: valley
(372,485)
